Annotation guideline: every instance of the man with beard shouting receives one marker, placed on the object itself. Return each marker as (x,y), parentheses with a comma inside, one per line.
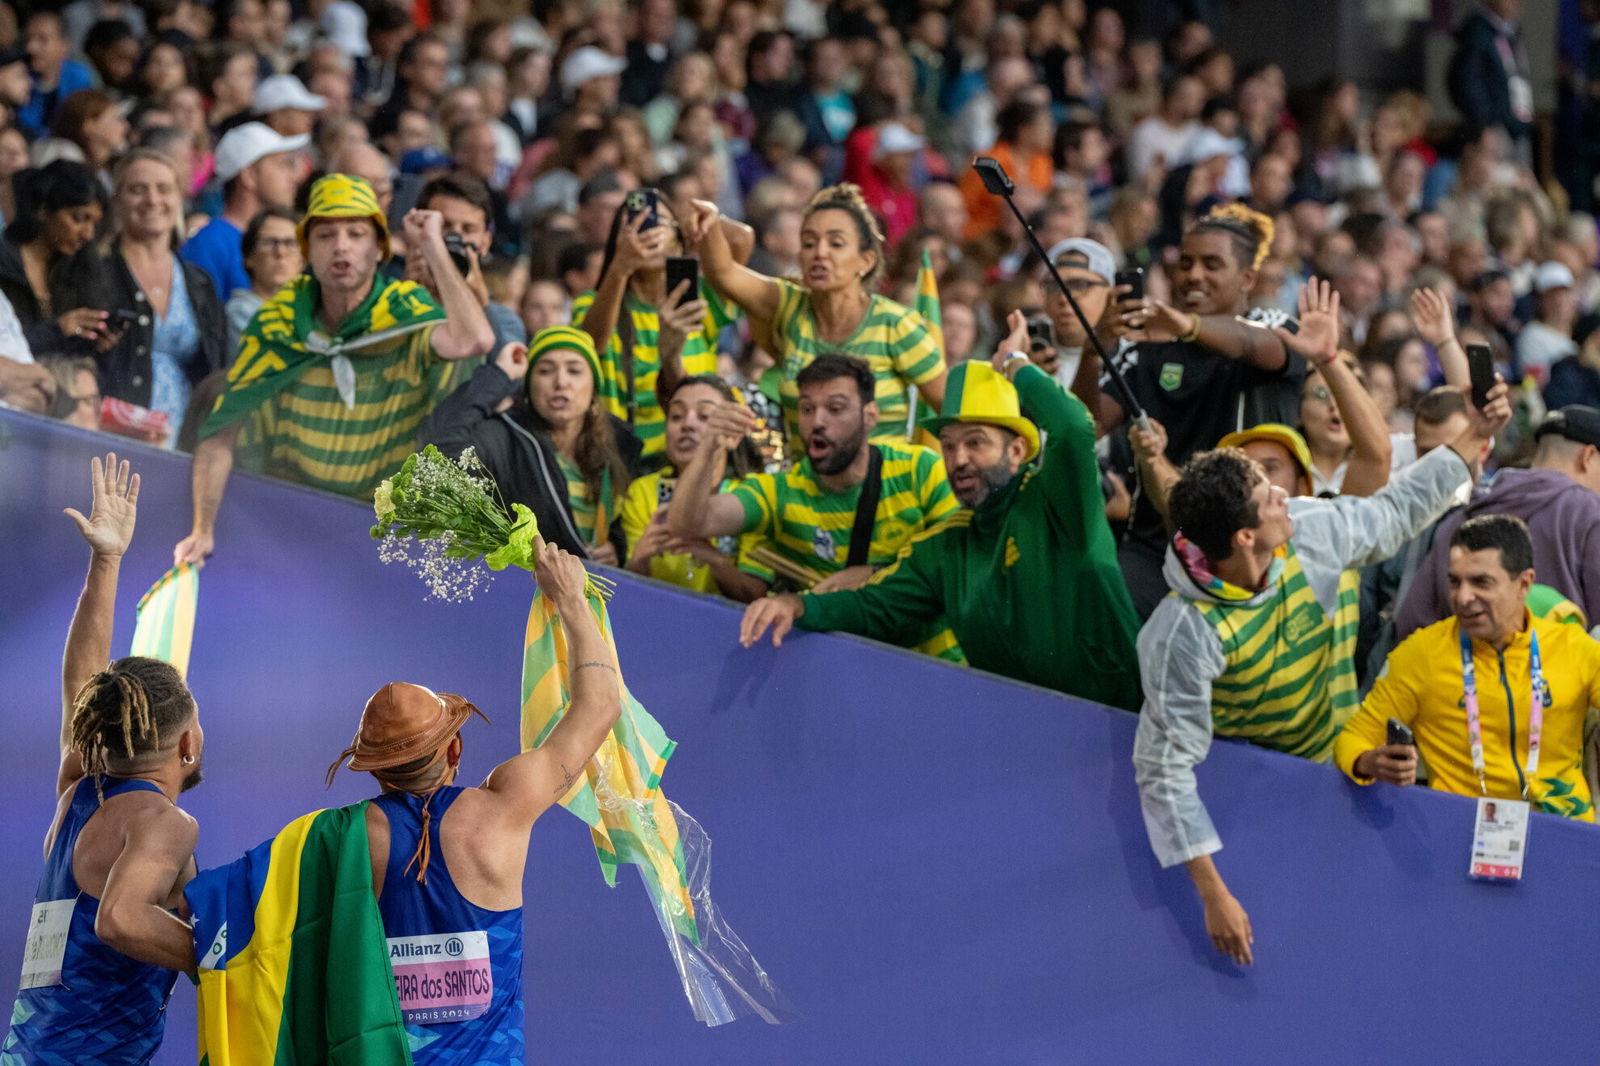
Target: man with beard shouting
(1026,573)
(119,850)
(843,512)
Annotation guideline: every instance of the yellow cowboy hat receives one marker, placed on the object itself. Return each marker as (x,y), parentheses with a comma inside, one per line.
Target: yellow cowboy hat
(342,196)
(975,392)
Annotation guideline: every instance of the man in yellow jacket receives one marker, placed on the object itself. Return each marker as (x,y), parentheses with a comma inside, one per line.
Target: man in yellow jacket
(1517,659)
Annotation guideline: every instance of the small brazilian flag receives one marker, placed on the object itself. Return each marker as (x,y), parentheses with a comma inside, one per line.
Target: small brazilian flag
(294,967)
(928,308)
(165,626)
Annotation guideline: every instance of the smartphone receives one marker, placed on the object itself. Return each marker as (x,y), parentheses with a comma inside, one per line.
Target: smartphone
(1480,365)
(1040,335)
(995,179)
(122,318)
(1133,278)
(643,202)
(1400,734)
(681,268)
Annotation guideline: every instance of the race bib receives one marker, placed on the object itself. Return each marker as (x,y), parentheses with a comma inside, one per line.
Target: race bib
(1499,840)
(46,946)
(443,977)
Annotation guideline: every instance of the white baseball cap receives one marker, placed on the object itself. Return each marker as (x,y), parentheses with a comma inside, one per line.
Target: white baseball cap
(345,24)
(286,91)
(586,64)
(245,144)
(1096,256)
(894,138)
(1553,275)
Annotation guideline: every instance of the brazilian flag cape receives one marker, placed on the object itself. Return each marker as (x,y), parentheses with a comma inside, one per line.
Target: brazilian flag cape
(283,339)
(294,966)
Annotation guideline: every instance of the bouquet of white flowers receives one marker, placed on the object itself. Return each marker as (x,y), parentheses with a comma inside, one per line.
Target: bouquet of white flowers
(440,517)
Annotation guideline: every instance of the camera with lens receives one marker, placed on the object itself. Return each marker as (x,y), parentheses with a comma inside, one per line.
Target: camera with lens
(461,253)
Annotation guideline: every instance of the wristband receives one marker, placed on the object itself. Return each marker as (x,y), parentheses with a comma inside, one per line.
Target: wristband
(1014,356)
(1194,331)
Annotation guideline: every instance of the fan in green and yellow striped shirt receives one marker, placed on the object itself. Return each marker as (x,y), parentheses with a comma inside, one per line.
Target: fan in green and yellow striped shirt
(641,407)
(811,526)
(894,340)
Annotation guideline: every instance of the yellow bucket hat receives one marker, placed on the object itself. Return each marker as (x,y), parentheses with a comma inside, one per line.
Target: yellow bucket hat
(1278,433)
(342,196)
(975,392)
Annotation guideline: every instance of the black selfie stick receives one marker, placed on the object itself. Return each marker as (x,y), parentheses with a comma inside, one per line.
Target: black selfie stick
(998,183)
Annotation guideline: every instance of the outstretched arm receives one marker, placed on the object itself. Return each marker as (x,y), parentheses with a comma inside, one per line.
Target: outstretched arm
(750,289)
(697,510)
(108,529)
(528,784)
(1226,335)
(212,463)
(1318,343)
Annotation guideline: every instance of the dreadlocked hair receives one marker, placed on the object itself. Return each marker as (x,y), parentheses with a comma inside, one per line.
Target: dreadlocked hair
(1251,230)
(847,197)
(123,712)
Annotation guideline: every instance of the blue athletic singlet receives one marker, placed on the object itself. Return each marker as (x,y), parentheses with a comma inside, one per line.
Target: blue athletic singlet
(80,1001)
(457,967)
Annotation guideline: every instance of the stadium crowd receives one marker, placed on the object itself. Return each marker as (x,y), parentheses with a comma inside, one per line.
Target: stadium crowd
(713,289)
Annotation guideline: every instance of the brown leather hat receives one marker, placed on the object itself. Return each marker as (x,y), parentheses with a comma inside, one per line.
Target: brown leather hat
(402,723)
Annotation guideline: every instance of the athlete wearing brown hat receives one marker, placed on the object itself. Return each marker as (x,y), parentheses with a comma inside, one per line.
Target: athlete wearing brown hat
(447,861)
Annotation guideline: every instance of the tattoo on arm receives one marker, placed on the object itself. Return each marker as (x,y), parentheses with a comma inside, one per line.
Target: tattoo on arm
(601,665)
(567,778)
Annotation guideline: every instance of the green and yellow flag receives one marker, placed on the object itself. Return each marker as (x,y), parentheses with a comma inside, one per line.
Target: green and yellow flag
(619,795)
(165,626)
(928,307)
(294,967)
(283,339)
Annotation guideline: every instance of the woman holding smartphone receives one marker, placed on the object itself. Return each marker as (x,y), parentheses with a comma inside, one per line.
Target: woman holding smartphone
(832,308)
(648,338)
(167,330)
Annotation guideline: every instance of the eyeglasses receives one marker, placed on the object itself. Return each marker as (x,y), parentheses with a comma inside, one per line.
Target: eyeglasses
(275,244)
(1079,286)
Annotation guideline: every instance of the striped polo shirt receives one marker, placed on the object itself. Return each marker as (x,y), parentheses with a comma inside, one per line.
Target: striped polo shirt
(895,342)
(811,525)
(1290,682)
(699,356)
(305,433)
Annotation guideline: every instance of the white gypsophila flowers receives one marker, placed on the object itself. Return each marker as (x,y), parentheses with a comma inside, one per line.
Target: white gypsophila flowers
(452,580)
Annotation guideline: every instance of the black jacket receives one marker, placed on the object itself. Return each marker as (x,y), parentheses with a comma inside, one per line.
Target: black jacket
(99,277)
(519,457)
(1478,80)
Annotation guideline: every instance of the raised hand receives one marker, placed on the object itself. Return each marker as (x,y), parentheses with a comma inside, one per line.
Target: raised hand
(1016,340)
(560,575)
(680,320)
(728,423)
(109,527)
(512,359)
(637,246)
(1432,316)
(1318,339)
(698,221)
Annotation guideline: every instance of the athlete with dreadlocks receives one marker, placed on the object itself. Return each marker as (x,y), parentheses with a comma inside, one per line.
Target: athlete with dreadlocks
(447,861)
(119,850)
(1201,369)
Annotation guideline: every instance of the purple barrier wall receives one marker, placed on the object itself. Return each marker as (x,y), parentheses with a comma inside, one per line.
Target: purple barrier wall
(935,865)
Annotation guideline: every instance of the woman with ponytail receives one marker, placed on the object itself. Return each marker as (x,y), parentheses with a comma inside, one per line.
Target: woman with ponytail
(1202,368)
(833,308)
(104,945)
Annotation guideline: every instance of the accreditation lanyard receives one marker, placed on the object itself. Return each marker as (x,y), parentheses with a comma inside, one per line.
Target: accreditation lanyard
(1469,679)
